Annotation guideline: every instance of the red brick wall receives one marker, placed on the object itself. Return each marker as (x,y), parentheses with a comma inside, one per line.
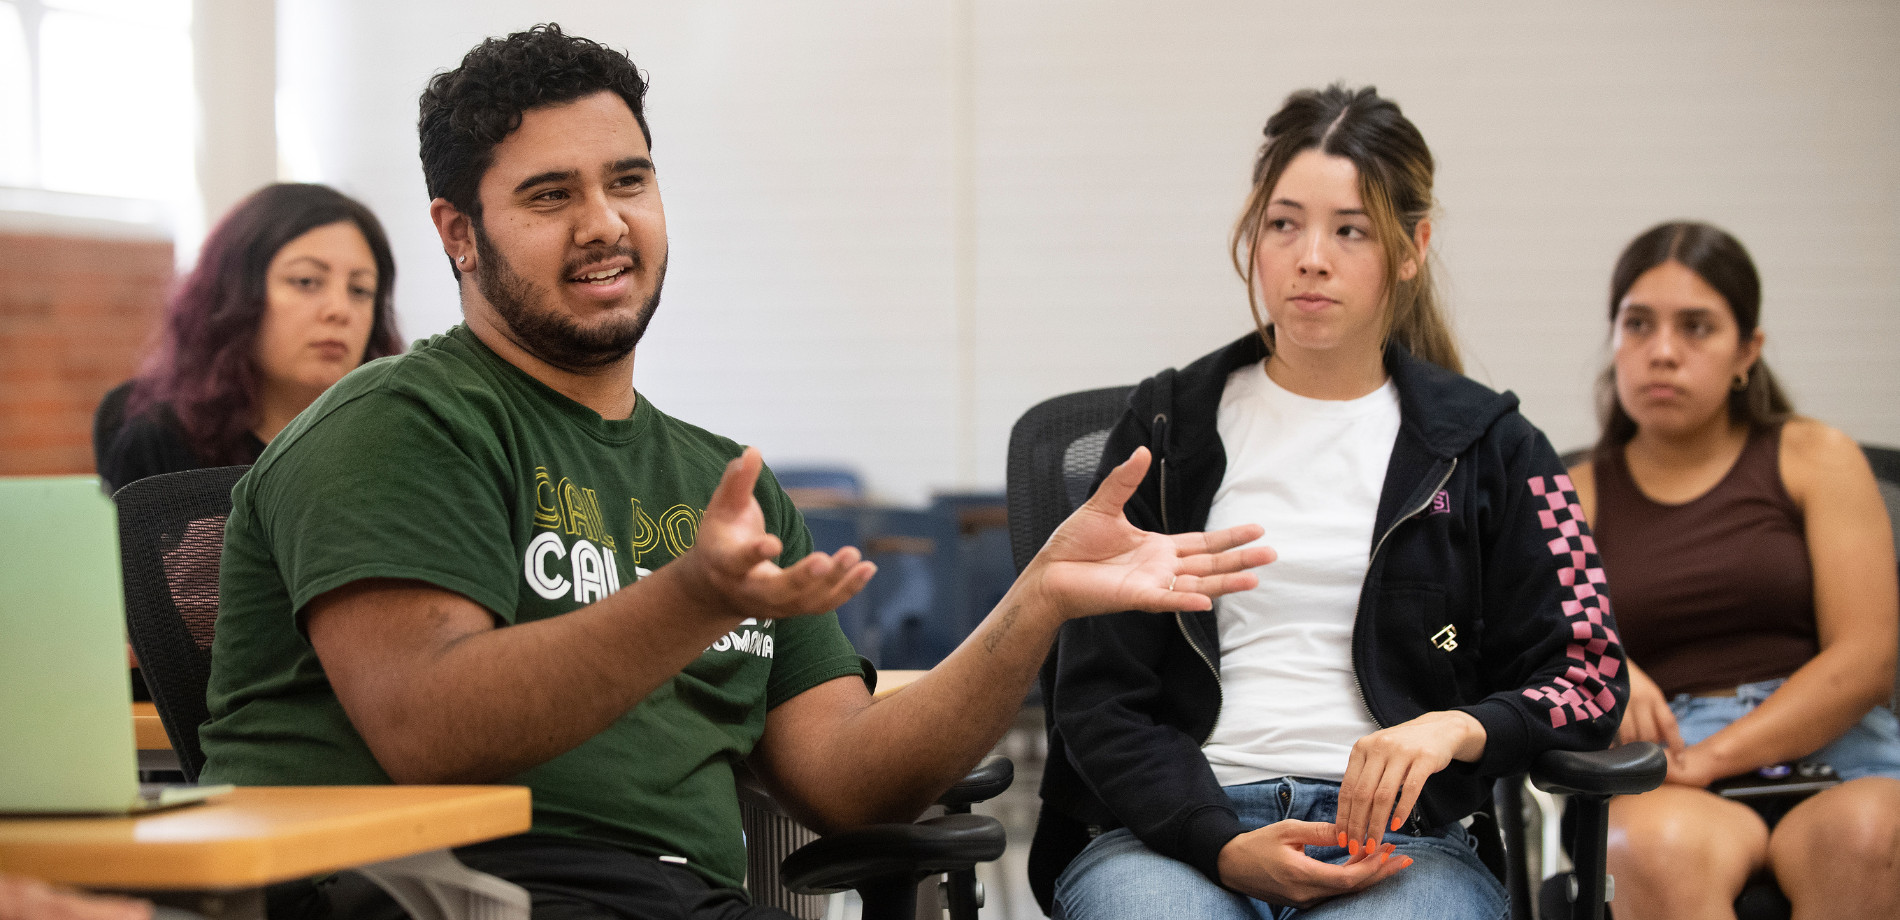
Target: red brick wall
(75,314)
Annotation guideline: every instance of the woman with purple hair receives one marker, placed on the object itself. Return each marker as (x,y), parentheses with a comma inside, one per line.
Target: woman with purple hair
(291,292)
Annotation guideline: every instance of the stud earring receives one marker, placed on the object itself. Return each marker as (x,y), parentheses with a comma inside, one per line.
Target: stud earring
(1741,382)
(460,259)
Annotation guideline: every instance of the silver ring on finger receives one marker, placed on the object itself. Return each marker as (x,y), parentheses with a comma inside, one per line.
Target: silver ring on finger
(1171,581)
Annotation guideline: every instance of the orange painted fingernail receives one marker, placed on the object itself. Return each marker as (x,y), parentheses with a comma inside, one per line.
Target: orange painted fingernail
(1404,861)
(1342,838)
(1371,843)
(1352,846)
(1398,821)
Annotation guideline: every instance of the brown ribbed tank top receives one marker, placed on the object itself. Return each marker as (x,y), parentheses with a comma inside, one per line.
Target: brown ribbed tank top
(1716,591)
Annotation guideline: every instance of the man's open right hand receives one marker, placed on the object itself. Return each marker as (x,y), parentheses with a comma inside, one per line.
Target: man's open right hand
(730,570)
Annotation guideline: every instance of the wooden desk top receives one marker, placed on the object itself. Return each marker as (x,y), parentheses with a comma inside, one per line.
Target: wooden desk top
(258,835)
(148,729)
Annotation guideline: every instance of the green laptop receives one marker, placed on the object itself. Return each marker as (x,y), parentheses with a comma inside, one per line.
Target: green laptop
(66,742)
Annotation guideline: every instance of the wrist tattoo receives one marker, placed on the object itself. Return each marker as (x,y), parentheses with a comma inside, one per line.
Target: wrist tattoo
(994,640)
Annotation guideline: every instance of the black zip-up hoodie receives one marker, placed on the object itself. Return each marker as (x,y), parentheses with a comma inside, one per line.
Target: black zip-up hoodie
(1483,594)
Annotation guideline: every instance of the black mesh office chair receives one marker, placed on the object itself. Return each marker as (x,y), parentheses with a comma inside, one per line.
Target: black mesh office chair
(171,538)
(1054,451)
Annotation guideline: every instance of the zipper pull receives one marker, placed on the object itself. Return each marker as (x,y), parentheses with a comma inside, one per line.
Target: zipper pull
(1160,451)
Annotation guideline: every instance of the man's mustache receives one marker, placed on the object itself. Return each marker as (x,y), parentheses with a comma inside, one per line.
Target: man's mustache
(600,254)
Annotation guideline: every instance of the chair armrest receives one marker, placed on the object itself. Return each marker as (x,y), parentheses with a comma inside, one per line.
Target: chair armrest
(985,781)
(853,858)
(1626,769)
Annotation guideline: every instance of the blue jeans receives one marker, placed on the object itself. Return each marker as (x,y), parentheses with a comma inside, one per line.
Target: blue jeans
(1116,877)
(1869,748)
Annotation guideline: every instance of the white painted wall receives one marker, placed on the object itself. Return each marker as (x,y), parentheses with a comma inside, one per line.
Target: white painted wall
(234,57)
(896,226)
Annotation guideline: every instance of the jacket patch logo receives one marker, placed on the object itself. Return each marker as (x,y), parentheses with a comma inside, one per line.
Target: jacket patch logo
(1446,638)
(1441,503)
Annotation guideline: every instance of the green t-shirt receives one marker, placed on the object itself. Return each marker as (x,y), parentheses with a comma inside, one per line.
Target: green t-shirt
(450,466)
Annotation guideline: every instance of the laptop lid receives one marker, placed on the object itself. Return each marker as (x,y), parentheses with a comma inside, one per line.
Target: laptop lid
(66,741)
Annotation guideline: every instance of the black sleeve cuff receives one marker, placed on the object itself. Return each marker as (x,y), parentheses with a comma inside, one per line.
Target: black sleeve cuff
(1507,745)
(1204,834)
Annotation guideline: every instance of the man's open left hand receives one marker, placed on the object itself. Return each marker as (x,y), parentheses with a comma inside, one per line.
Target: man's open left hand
(1097,562)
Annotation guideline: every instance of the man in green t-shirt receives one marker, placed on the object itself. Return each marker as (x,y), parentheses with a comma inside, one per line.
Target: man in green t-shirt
(489,560)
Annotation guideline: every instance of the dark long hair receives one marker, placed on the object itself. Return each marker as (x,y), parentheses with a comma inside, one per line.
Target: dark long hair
(1395,182)
(205,365)
(1720,260)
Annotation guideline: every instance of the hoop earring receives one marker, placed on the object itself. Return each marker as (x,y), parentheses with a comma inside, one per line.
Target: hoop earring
(1741,382)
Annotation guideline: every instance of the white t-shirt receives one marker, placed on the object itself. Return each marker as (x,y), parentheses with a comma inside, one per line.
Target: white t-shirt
(1310,472)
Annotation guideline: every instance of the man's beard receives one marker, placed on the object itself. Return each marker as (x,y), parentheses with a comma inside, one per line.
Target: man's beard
(549,334)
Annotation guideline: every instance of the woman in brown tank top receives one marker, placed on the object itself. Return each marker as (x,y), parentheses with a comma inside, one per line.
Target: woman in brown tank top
(1742,544)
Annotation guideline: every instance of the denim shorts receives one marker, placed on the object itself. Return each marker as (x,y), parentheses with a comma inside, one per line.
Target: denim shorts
(1116,877)
(1870,748)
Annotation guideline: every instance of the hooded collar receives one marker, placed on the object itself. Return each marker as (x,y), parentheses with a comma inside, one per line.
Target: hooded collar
(1445,412)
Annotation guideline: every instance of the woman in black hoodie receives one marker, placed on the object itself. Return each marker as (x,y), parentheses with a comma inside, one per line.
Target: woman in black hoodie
(1436,617)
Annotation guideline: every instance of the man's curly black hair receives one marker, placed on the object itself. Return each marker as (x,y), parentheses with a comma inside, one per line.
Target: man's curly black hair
(469,110)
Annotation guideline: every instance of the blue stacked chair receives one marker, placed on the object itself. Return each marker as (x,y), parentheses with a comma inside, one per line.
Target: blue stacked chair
(833,529)
(909,596)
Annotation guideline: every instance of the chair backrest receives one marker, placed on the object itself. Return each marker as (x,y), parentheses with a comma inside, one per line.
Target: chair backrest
(171,540)
(1054,450)
(107,420)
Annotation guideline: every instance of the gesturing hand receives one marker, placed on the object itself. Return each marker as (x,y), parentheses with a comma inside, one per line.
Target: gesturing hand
(730,569)
(1097,562)
(1271,864)
(1389,767)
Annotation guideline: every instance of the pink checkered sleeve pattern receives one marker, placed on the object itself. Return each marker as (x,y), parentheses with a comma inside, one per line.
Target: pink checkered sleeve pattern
(1582,692)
